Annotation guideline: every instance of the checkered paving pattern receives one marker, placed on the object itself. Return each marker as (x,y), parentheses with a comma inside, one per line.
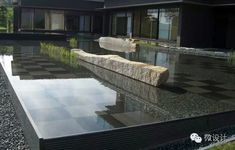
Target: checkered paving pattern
(211,89)
(40,67)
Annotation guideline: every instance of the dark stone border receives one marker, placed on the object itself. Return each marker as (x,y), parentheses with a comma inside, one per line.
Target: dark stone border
(32,36)
(188,51)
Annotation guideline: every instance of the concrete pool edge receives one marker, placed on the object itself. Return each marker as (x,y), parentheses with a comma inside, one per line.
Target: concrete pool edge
(143,136)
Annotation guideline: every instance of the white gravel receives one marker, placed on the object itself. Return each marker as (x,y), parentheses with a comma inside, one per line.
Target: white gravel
(11,133)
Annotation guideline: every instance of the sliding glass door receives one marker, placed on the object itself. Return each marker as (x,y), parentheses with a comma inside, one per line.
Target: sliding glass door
(168,24)
(72,23)
(27,16)
(156,23)
(122,24)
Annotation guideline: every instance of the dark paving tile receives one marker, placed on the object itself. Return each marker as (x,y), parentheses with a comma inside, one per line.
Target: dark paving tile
(230,87)
(173,89)
(196,83)
(213,88)
(182,74)
(229,71)
(43,77)
(210,82)
(178,84)
(197,90)
(228,93)
(215,96)
(181,79)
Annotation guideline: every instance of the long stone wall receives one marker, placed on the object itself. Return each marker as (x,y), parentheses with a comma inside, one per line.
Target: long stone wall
(153,75)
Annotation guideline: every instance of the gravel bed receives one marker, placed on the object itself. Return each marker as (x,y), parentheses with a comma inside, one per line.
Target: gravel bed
(11,133)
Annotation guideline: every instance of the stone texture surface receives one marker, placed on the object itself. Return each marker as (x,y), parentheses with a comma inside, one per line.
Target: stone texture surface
(117,44)
(153,75)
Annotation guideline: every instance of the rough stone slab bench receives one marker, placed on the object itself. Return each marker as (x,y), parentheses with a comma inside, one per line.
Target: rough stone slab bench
(153,75)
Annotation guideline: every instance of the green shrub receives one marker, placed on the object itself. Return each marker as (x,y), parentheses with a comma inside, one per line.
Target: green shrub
(73,43)
(58,53)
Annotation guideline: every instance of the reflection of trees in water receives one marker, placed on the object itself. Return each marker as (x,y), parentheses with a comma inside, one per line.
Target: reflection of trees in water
(6,18)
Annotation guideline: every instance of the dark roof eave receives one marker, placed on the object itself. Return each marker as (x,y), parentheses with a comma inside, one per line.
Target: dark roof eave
(138,5)
(171,2)
(57,8)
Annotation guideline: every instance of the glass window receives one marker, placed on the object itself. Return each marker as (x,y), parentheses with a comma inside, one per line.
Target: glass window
(72,23)
(39,19)
(136,26)
(129,23)
(97,24)
(87,24)
(122,23)
(149,22)
(27,19)
(57,20)
(81,23)
(153,18)
(168,23)
(114,23)
(121,26)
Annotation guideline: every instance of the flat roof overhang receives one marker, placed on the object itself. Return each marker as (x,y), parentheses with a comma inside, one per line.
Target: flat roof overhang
(169,2)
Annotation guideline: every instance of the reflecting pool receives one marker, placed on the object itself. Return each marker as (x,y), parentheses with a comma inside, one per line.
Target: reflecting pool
(65,100)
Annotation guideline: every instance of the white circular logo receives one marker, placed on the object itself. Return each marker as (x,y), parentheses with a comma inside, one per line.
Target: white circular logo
(196,138)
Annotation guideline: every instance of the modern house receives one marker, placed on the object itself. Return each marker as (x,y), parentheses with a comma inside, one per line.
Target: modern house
(58,16)
(190,23)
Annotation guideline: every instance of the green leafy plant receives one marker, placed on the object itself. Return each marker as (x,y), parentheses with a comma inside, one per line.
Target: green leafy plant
(73,42)
(59,53)
(6,50)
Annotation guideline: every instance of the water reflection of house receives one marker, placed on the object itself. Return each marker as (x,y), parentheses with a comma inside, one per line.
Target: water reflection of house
(126,112)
